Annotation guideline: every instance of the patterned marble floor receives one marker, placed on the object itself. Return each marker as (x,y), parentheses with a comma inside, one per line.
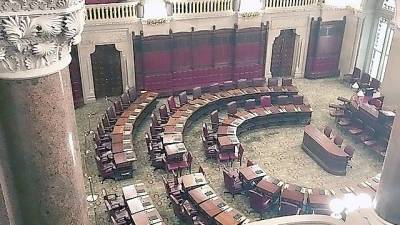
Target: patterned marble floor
(277,150)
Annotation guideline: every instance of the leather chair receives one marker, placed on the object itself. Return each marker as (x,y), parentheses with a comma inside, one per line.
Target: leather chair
(283,100)
(259,202)
(298,99)
(208,135)
(176,206)
(132,94)
(118,108)
(328,131)
(228,85)
(288,209)
(273,82)
(353,77)
(265,101)
(250,104)
(287,81)
(125,100)
(106,170)
(213,88)
(156,123)
(215,121)
(121,217)
(164,115)
(102,143)
(364,80)
(349,151)
(102,133)
(172,104)
(111,115)
(106,124)
(375,84)
(258,82)
(183,99)
(210,148)
(242,84)
(232,182)
(196,92)
(338,140)
(232,108)
(113,202)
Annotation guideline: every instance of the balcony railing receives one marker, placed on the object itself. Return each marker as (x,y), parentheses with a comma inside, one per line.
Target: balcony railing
(200,6)
(110,12)
(289,3)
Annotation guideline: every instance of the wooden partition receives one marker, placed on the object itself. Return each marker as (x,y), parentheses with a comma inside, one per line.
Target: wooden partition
(324,48)
(181,61)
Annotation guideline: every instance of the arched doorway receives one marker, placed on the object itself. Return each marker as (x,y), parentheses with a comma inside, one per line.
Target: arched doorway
(282,54)
(106,66)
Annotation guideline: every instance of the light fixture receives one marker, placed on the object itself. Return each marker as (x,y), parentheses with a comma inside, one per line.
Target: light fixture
(250,6)
(155,9)
(337,207)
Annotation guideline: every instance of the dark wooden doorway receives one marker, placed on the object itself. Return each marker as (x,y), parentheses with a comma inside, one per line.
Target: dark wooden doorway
(106,67)
(282,54)
(75,74)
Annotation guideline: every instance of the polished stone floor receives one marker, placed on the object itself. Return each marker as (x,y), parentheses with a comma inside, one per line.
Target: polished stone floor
(276,149)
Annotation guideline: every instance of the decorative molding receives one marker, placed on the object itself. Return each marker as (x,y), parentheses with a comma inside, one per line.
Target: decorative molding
(155,22)
(38,40)
(249,14)
(33,5)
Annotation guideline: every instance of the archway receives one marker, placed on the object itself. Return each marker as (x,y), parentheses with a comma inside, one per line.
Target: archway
(106,67)
(282,54)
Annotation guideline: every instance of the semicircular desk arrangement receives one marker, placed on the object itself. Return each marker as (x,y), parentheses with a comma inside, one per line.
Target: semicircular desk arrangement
(268,193)
(115,154)
(165,142)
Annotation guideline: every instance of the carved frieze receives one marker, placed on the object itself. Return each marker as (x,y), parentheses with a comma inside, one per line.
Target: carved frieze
(30,5)
(38,41)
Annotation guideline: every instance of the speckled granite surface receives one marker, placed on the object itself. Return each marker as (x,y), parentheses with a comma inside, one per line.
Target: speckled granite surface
(277,150)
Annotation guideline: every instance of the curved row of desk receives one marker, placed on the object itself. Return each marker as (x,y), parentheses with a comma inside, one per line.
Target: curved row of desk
(115,153)
(190,110)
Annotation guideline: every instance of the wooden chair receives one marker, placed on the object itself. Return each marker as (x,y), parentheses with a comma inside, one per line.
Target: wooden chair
(118,108)
(258,82)
(250,104)
(125,100)
(338,140)
(287,81)
(132,94)
(183,99)
(228,85)
(265,101)
(232,182)
(353,77)
(273,82)
(349,151)
(232,108)
(259,203)
(215,121)
(249,163)
(172,104)
(196,92)
(328,131)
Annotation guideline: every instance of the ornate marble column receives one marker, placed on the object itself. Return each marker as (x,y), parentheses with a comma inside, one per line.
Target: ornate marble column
(40,167)
(388,195)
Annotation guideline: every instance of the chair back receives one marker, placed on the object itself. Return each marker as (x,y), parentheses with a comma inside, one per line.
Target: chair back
(171,103)
(105,121)
(250,163)
(229,181)
(214,117)
(111,112)
(176,206)
(273,82)
(242,83)
(338,140)
(118,106)
(375,83)
(265,101)
(183,99)
(154,120)
(232,107)
(250,104)
(100,129)
(283,100)
(287,81)
(96,139)
(153,131)
(349,151)
(298,99)
(228,85)
(259,202)
(163,111)
(205,130)
(356,73)
(258,82)
(189,158)
(196,92)
(328,131)
(365,78)
(125,99)
(201,170)
(213,87)
(241,151)
(132,94)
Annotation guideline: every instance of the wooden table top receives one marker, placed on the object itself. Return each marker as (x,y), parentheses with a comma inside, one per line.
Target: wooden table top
(121,121)
(147,217)
(228,141)
(226,130)
(269,185)
(172,139)
(174,149)
(245,115)
(251,173)
(170,129)
(201,194)
(139,204)
(134,191)
(232,121)
(193,180)
(214,206)
(230,217)
(118,130)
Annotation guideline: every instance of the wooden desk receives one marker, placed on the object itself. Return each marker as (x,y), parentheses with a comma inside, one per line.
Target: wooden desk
(319,199)
(322,149)
(201,194)
(214,206)
(251,173)
(292,193)
(147,217)
(133,191)
(269,186)
(170,129)
(232,121)
(172,139)
(175,150)
(139,204)
(123,160)
(230,217)
(226,130)
(121,121)
(117,130)
(193,180)
(228,142)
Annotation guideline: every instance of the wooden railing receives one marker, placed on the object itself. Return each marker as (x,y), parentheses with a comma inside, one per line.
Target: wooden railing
(110,12)
(201,6)
(289,3)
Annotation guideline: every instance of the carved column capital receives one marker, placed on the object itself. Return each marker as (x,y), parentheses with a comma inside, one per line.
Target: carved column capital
(36,36)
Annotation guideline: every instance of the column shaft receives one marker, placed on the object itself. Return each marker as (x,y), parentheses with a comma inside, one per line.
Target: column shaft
(40,155)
